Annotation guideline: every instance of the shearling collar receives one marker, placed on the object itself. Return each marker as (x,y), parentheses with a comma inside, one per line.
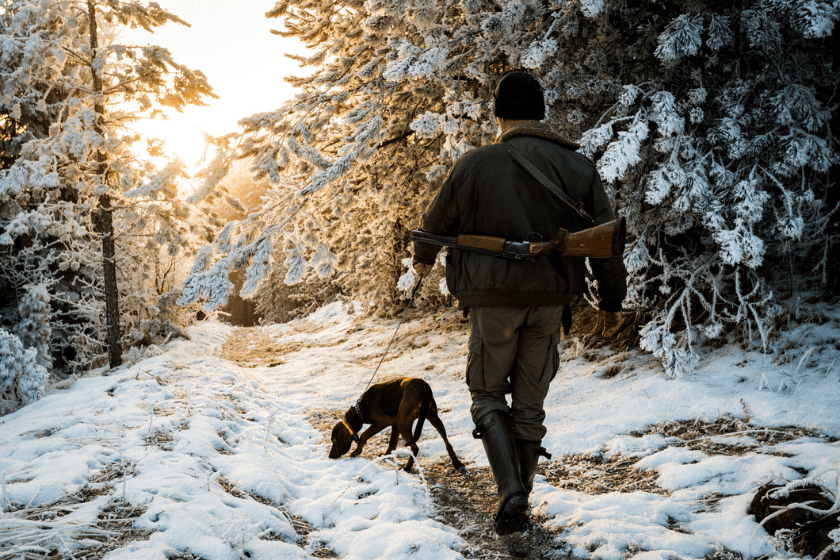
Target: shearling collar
(536,128)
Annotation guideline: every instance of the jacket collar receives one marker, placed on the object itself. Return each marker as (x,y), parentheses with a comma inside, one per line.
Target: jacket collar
(536,128)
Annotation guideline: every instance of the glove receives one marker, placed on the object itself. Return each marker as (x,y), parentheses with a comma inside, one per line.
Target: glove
(421,270)
(608,323)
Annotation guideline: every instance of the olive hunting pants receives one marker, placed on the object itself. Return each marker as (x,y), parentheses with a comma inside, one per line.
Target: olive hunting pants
(513,350)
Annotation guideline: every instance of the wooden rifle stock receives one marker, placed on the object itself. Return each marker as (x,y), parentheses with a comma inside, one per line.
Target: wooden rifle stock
(606,240)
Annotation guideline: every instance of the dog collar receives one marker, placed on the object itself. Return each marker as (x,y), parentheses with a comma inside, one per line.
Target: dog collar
(353,434)
(358,410)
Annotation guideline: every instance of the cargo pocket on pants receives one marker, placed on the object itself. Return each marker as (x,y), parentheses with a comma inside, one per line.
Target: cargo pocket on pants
(552,363)
(475,364)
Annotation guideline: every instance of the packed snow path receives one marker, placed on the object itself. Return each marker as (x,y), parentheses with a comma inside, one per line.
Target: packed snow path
(217,449)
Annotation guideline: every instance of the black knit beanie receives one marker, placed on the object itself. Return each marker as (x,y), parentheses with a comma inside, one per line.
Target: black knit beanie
(519,96)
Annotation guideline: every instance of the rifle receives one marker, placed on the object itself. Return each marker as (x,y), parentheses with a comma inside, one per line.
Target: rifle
(603,241)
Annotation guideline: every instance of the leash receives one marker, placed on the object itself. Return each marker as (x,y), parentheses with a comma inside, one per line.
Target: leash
(354,435)
(410,300)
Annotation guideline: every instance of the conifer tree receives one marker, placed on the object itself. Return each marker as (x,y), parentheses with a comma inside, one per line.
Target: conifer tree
(22,379)
(34,329)
(74,191)
(709,123)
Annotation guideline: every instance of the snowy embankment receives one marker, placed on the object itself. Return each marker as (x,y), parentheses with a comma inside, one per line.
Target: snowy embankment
(215,454)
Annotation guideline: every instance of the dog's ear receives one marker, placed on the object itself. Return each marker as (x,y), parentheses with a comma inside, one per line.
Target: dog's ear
(336,433)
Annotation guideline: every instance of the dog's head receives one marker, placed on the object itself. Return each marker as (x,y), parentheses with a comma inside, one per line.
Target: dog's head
(342,439)
(343,435)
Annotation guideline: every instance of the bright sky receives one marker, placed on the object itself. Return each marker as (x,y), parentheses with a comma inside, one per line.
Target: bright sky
(230,41)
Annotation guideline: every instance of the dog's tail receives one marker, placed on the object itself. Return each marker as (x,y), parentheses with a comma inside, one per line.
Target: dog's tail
(421,418)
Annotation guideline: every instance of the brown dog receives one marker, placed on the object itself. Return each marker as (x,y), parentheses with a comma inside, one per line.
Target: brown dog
(398,404)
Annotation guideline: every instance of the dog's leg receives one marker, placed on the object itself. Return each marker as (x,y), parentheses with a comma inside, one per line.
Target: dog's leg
(404,425)
(435,420)
(395,438)
(374,429)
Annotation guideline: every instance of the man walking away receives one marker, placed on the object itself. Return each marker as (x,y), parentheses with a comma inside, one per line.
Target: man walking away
(516,307)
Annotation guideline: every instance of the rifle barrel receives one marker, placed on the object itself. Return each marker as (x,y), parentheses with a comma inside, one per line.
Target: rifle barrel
(442,240)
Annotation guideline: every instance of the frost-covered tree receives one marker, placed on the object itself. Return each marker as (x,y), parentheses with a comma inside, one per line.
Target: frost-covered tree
(34,329)
(719,152)
(709,123)
(22,379)
(83,214)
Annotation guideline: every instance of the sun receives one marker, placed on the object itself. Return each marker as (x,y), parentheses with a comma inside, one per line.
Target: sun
(232,44)
(182,137)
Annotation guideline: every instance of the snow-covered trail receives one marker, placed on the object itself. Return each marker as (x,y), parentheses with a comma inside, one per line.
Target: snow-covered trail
(220,458)
(219,447)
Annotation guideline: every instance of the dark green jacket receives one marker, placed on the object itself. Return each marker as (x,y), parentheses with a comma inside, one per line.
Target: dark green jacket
(489,193)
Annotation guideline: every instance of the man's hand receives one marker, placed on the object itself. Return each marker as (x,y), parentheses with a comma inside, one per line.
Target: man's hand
(608,323)
(421,270)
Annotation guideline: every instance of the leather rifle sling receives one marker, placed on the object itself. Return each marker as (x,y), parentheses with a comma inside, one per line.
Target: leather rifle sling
(547,183)
(566,314)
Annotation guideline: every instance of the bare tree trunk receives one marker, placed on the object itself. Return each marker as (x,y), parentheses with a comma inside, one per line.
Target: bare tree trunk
(7,158)
(104,215)
(832,196)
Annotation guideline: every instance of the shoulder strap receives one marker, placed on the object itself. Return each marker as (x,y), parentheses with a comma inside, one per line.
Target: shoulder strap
(546,182)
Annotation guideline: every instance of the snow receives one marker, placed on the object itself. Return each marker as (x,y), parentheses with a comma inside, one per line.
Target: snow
(190,424)
(613,522)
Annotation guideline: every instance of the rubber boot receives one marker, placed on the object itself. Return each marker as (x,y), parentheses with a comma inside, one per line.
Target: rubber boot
(495,433)
(529,455)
